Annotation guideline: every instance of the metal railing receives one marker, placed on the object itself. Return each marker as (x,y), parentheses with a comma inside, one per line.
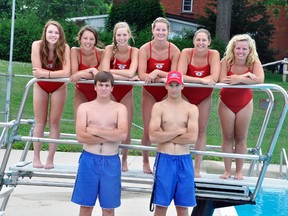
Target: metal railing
(255,157)
(285,67)
(283,159)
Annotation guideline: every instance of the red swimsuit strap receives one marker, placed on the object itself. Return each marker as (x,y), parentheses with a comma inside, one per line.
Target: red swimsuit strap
(130,52)
(80,56)
(96,53)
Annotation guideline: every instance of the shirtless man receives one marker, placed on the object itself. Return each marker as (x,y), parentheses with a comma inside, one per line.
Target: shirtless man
(101,126)
(173,126)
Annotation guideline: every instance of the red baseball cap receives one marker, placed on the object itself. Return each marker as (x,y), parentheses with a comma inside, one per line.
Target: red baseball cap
(174,76)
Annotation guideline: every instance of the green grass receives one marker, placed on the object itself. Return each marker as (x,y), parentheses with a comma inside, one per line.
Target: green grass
(213,132)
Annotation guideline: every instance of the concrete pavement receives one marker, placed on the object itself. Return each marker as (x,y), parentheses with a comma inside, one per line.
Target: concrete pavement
(54,201)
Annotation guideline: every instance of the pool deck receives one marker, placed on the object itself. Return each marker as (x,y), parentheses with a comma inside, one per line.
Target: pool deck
(44,201)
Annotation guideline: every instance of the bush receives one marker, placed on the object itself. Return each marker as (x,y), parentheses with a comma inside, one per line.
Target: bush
(138,13)
(246,18)
(27,30)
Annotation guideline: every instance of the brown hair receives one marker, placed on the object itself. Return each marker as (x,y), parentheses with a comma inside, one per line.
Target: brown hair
(88,28)
(205,31)
(59,51)
(104,76)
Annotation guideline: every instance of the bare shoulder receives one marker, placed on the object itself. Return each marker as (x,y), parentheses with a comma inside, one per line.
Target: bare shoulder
(223,61)
(99,50)
(144,47)
(36,44)
(75,50)
(174,48)
(109,47)
(118,106)
(190,106)
(134,49)
(159,105)
(67,47)
(186,51)
(214,52)
(257,62)
(83,107)
(144,52)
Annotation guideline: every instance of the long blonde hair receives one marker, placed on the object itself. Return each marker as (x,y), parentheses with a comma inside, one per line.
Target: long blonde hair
(229,53)
(114,42)
(59,51)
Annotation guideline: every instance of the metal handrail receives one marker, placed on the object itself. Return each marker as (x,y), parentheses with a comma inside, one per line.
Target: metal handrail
(5,195)
(275,62)
(264,87)
(283,155)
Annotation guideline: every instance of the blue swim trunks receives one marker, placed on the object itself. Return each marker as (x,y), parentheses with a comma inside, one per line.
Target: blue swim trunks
(98,176)
(174,179)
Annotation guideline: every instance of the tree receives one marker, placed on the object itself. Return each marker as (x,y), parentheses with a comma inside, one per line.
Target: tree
(224,7)
(252,19)
(31,15)
(223,20)
(138,13)
(61,9)
(5,9)
(275,4)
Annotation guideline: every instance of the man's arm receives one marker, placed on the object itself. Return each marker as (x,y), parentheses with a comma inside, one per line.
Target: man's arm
(119,133)
(190,137)
(156,133)
(82,135)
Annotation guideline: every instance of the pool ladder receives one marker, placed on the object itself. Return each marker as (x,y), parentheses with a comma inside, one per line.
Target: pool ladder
(283,159)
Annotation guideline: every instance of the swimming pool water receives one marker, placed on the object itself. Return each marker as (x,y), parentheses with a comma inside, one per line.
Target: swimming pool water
(269,202)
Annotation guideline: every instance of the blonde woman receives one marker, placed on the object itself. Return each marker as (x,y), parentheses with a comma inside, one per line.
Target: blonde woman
(200,65)
(240,65)
(156,58)
(121,60)
(50,58)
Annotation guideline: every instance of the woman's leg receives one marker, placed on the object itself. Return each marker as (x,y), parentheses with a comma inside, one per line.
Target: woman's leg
(79,98)
(204,113)
(40,106)
(243,119)
(147,103)
(128,102)
(227,119)
(57,102)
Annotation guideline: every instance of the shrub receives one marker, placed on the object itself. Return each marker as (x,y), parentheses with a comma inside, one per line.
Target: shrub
(138,13)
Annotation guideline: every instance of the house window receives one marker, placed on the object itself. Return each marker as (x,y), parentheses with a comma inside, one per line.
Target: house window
(187,5)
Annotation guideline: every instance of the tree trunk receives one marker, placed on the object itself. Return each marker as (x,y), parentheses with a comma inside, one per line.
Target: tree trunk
(223,20)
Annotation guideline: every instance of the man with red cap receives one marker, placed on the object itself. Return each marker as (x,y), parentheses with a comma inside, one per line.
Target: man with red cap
(173,126)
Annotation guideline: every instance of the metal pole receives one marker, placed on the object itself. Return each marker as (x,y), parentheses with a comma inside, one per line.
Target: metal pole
(9,77)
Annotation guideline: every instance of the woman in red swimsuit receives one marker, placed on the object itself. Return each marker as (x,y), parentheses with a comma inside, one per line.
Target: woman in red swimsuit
(240,65)
(122,61)
(156,58)
(200,65)
(50,58)
(85,61)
